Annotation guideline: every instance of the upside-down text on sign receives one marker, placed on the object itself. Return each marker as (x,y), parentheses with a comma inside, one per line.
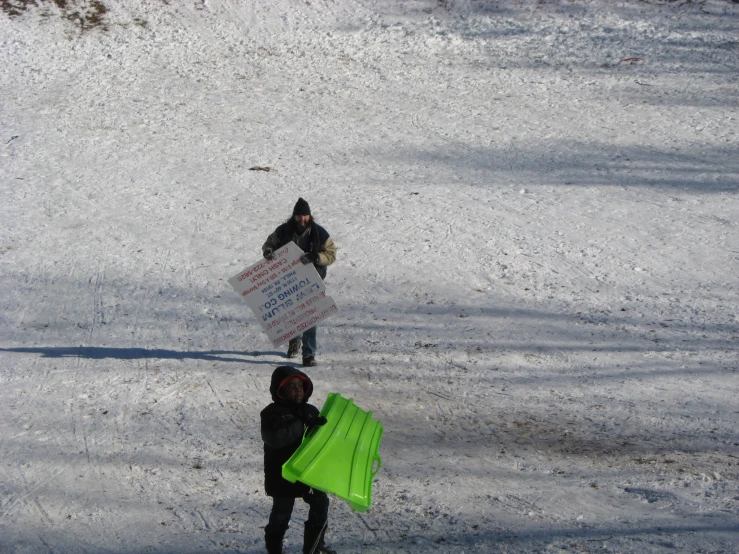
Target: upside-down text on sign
(286,296)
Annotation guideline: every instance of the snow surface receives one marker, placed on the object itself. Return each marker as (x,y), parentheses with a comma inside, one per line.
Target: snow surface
(535,204)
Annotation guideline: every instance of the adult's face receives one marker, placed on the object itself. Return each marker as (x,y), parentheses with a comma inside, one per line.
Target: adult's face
(302,221)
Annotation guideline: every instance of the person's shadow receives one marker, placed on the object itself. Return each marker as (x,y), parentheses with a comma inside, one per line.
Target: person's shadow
(102,353)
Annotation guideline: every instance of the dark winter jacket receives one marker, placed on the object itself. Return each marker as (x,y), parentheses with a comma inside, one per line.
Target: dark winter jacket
(282,432)
(314,239)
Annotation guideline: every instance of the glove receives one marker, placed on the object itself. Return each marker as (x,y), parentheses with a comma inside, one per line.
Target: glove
(309,258)
(305,412)
(269,254)
(308,414)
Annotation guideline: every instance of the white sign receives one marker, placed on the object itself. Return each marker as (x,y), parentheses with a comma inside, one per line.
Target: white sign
(287,296)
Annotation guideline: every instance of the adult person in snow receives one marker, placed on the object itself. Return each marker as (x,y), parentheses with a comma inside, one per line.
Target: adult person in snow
(283,423)
(320,251)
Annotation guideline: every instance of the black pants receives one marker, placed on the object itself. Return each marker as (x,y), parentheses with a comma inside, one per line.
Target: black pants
(282,510)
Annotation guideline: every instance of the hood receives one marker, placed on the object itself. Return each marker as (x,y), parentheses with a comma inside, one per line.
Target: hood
(282,374)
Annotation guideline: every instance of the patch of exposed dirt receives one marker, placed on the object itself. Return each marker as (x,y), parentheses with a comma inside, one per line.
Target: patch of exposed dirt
(85,14)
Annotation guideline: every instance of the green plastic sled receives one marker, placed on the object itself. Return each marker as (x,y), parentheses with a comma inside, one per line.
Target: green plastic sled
(342,456)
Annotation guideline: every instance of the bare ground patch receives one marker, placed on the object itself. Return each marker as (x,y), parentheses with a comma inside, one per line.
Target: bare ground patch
(85,14)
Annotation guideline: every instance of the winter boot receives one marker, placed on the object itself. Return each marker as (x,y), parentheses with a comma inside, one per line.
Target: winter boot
(313,542)
(323,549)
(309,361)
(293,348)
(273,542)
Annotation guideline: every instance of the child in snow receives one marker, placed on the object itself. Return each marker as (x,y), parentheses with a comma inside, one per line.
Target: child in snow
(283,423)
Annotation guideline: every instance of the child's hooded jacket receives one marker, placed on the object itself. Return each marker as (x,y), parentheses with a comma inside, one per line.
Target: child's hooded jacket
(282,432)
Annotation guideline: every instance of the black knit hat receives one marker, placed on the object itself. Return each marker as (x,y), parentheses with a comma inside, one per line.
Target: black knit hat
(301,207)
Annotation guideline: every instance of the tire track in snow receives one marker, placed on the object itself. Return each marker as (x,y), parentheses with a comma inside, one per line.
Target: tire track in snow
(10,502)
(44,513)
(66,438)
(98,311)
(220,402)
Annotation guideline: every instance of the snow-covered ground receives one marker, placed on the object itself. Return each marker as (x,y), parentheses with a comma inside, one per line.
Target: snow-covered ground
(536,208)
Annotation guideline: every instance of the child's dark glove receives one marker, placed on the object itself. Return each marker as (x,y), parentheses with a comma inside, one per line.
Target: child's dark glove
(320,420)
(305,412)
(269,254)
(308,414)
(309,258)
(315,423)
